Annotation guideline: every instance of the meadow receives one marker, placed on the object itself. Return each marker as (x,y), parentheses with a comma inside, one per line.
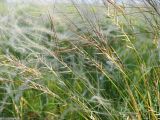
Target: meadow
(80,61)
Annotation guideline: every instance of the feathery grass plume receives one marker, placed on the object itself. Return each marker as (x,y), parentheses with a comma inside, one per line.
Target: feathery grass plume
(80,60)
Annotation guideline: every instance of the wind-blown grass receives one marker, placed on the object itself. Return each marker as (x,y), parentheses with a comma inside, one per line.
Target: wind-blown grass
(84,61)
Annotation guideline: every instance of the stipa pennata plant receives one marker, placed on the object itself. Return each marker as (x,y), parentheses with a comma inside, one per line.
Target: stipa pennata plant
(85,61)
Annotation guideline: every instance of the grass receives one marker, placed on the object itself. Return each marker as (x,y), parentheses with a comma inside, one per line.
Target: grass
(80,62)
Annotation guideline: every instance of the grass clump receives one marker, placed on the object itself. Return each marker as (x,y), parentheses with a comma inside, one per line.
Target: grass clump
(84,61)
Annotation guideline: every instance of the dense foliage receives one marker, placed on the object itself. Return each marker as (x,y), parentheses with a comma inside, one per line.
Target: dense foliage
(80,61)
